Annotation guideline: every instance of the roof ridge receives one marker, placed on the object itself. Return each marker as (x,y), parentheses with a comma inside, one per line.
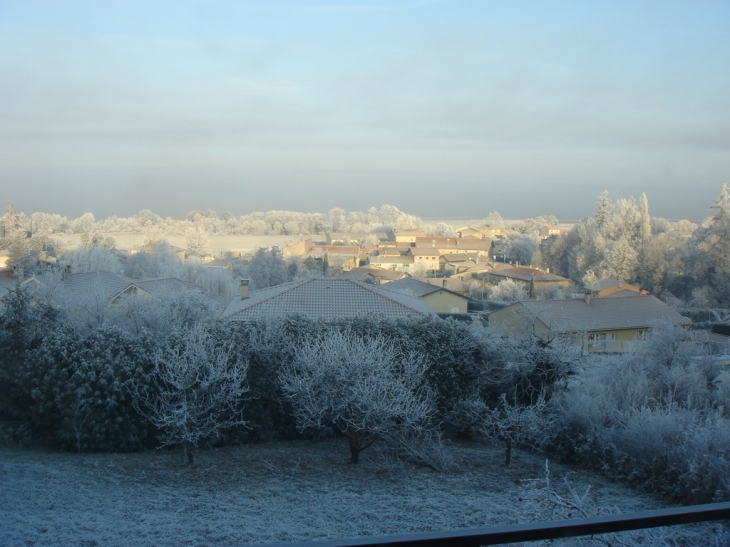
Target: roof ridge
(380,293)
(292,285)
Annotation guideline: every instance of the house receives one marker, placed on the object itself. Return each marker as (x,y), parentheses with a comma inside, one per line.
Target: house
(391,262)
(92,292)
(10,280)
(454,263)
(300,248)
(218,263)
(453,284)
(392,248)
(468,231)
(613,287)
(425,259)
(4,257)
(405,236)
(534,281)
(345,238)
(492,231)
(552,230)
(447,245)
(343,257)
(157,246)
(438,299)
(596,324)
(326,298)
(371,275)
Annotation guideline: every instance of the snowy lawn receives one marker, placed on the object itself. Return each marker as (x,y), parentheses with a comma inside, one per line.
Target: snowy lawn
(270,493)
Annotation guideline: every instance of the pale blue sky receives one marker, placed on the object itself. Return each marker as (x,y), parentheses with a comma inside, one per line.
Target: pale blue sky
(444,109)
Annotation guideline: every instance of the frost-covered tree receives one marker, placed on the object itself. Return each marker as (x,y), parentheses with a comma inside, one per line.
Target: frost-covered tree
(366,389)
(268,268)
(604,210)
(196,240)
(199,386)
(161,262)
(93,259)
(514,424)
(524,248)
(620,260)
(508,290)
(709,260)
(84,224)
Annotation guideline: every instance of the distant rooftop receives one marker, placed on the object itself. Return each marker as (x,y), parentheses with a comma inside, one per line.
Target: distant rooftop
(326,298)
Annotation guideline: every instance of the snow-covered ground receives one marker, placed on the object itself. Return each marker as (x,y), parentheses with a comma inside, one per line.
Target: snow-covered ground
(268,493)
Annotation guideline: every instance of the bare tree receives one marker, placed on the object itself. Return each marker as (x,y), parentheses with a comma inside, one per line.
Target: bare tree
(367,389)
(515,424)
(198,389)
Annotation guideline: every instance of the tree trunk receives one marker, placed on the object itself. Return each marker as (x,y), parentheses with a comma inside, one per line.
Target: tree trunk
(354,451)
(189,454)
(507,453)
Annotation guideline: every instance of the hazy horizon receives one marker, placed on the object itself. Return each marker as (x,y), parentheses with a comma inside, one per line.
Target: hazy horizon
(445,110)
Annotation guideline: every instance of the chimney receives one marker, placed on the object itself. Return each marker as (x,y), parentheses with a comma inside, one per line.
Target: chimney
(244,289)
(443,283)
(65,271)
(587,297)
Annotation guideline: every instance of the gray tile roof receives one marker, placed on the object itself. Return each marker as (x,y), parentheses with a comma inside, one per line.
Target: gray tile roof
(411,286)
(525,274)
(574,315)
(359,274)
(623,293)
(80,290)
(453,284)
(89,288)
(327,298)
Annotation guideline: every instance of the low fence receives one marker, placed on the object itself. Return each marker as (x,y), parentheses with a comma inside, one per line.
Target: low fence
(497,535)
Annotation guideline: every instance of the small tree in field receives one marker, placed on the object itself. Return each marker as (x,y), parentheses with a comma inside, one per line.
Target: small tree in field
(198,390)
(514,424)
(367,389)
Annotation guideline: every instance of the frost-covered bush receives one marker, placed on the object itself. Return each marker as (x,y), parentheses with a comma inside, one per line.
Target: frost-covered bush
(72,390)
(161,314)
(26,320)
(656,417)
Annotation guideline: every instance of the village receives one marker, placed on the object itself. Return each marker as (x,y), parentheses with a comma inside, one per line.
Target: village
(445,353)
(475,275)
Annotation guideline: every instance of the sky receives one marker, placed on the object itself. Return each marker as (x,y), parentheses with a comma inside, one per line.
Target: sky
(445,109)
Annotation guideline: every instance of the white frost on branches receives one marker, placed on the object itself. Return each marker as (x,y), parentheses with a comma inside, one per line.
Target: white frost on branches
(199,389)
(367,389)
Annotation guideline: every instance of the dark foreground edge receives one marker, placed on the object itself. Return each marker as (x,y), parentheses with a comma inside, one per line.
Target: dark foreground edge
(493,535)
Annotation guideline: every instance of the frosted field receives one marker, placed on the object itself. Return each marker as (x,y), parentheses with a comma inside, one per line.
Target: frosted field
(217,243)
(268,493)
